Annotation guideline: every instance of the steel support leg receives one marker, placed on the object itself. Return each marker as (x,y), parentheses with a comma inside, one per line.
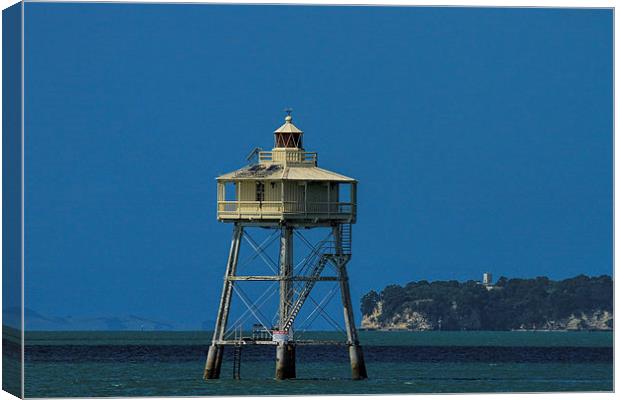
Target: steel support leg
(358,366)
(216,351)
(286,271)
(285,352)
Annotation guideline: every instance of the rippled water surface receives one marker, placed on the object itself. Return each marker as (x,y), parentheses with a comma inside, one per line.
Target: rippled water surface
(64,364)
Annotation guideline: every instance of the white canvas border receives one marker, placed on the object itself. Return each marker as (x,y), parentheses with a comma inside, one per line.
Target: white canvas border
(456,3)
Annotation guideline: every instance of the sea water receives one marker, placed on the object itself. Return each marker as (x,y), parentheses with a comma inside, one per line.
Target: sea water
(66,364)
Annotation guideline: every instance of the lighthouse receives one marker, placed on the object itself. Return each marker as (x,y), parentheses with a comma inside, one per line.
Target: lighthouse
(285,191)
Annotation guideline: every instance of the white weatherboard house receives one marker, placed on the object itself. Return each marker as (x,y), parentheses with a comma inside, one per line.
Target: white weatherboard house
(286,184)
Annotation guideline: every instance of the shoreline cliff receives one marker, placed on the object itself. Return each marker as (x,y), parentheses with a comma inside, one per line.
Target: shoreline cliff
(540,304)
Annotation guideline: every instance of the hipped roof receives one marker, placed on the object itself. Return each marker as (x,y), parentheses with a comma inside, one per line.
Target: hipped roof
(280,172)
(288,127)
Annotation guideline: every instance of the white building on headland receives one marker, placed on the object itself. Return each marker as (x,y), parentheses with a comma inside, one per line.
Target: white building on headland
(487,281)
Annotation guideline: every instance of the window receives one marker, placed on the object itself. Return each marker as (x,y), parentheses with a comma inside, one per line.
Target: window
(260,191)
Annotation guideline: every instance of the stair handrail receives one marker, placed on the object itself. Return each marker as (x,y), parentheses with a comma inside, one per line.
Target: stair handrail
(303,295)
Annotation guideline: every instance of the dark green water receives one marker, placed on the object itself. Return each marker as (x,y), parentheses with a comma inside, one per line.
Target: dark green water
(65,364)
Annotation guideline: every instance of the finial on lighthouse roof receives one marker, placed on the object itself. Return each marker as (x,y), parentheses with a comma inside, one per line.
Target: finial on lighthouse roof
(289,117)
(288,126)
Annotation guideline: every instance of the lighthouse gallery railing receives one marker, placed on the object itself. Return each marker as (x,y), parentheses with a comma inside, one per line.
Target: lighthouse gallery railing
(301,157)
(259,209)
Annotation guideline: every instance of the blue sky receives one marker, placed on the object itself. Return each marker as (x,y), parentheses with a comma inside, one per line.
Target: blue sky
(481,138)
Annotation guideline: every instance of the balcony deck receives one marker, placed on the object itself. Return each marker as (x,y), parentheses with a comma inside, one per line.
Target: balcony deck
(279,210)
(306,158)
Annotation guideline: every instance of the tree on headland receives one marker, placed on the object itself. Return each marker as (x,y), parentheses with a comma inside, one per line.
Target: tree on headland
(510,304)
(369,302)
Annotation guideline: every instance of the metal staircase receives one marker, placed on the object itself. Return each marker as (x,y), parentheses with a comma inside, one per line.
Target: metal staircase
(305,291)
(327,252)
(345,238)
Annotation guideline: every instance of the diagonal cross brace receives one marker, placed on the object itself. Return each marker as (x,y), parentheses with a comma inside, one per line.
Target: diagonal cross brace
(260,250)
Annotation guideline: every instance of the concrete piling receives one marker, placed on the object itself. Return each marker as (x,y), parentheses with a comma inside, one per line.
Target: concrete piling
(218,360)
(285,361)
(214,362)
(358,366)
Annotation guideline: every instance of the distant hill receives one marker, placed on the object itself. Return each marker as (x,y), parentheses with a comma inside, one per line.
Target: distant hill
(38,322)
(579,303)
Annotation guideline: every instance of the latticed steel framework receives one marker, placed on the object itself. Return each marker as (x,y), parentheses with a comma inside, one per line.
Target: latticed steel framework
(285,192)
